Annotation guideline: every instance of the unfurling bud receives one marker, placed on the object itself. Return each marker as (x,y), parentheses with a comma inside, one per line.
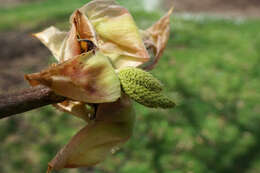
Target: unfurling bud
(96,58)
(142,87)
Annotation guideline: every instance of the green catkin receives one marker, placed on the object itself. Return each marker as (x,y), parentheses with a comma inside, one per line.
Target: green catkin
(142,87)
(140,77)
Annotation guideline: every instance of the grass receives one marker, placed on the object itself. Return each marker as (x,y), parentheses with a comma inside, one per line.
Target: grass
(210,66)
(41,14)
(31,15)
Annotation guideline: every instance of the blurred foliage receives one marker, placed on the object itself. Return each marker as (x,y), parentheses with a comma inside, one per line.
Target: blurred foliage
(210,67)
(40,14)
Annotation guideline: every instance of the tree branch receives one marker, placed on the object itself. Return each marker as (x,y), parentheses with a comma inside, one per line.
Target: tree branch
(27,99)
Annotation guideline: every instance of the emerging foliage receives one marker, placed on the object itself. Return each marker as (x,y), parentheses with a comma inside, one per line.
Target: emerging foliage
(102,52)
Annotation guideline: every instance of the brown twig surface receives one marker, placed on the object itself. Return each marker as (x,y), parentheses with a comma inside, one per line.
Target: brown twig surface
(27,99)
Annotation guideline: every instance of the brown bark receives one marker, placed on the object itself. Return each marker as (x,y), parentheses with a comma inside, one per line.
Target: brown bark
(27,99)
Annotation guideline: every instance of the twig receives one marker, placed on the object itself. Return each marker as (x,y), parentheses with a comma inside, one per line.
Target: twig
(27,99)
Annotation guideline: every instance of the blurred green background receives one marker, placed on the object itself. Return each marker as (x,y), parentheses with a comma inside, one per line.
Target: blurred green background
(211,68)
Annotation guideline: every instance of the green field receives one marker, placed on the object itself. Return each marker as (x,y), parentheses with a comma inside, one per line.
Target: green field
(211,68)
